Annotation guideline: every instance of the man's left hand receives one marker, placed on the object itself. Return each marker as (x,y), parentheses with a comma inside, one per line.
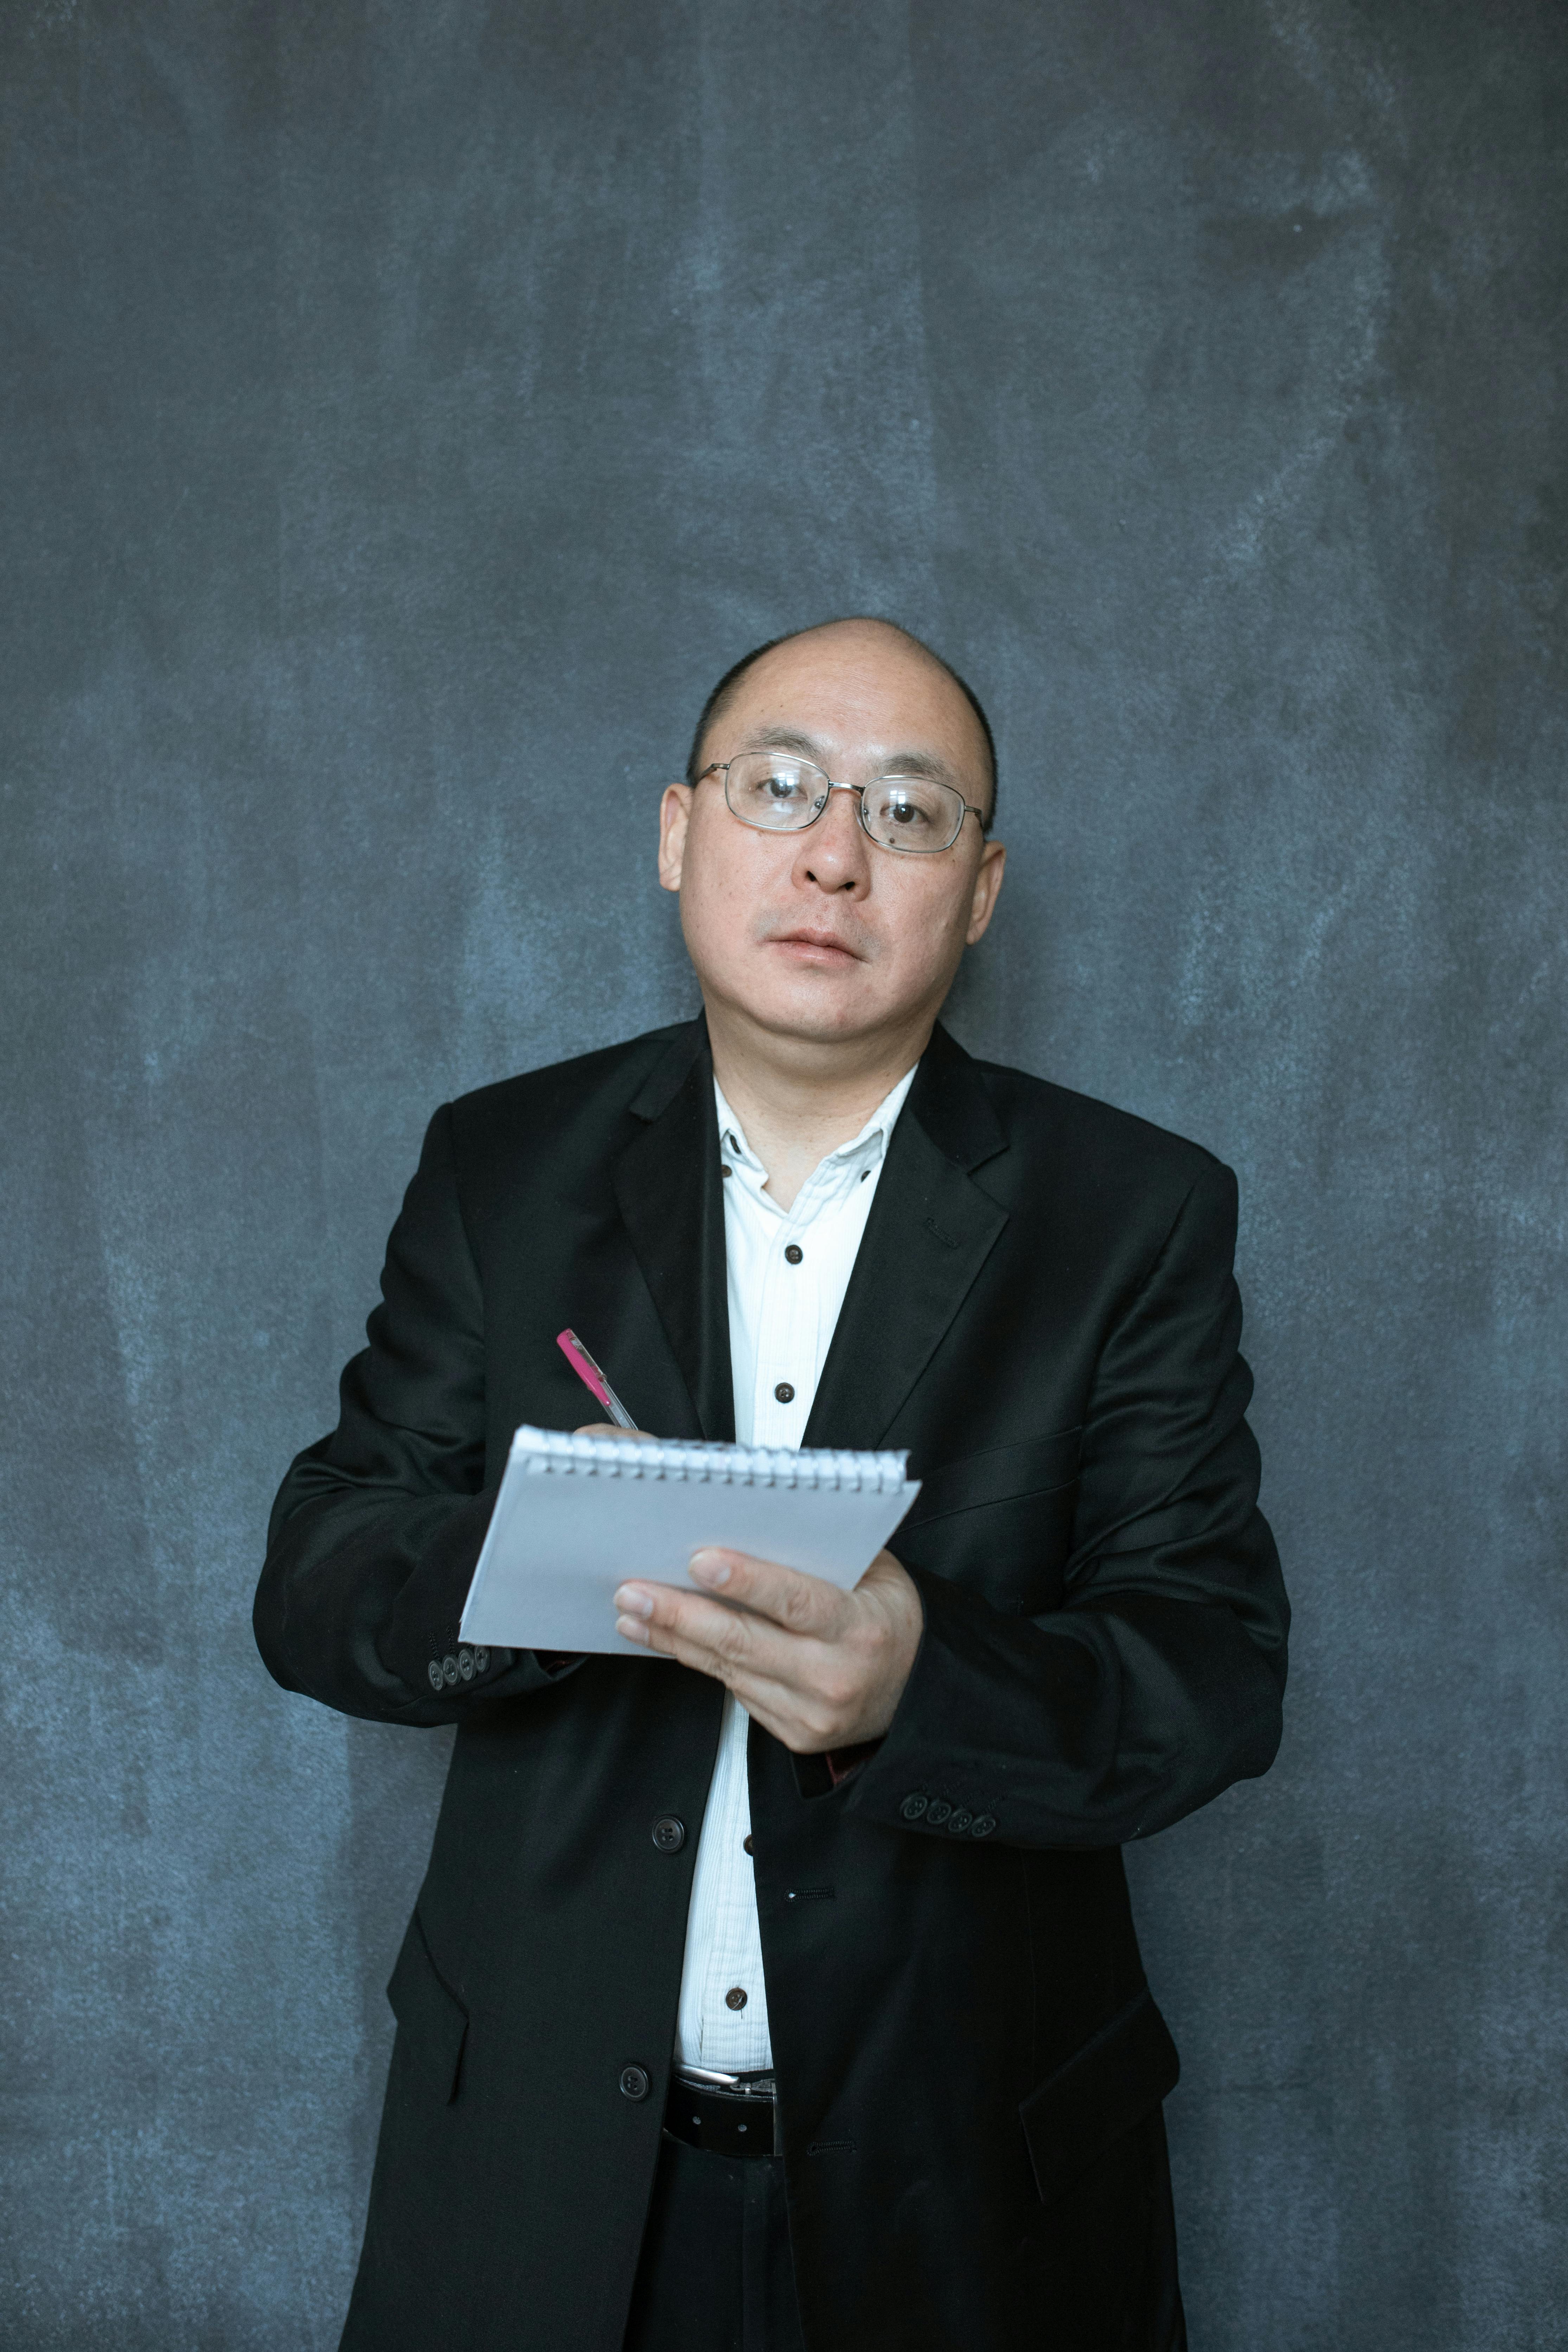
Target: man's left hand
(818,1668)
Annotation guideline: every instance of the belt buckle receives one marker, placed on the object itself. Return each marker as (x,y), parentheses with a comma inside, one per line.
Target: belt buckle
(759,2085)
(724,2100)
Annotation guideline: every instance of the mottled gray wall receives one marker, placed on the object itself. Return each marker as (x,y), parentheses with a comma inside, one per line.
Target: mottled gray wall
(407,410)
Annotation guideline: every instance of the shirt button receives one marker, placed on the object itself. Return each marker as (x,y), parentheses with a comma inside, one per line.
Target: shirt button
(784,1392)
(669,1833)
(795,1253)
(634,2083)
(735,1998)
(724,1168)
(746,1846)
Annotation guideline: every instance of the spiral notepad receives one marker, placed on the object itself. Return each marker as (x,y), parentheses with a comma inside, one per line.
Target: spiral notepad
(577,1514)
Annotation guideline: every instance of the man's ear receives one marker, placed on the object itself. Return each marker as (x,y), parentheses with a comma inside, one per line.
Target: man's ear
(674,814)
(987,882)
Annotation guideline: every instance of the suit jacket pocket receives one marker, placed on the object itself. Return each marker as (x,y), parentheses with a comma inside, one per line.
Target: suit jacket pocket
(1106,2087)
(1000,1520)
(431,2021)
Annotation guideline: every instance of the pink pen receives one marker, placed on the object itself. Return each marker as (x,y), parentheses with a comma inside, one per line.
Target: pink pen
(592,1378)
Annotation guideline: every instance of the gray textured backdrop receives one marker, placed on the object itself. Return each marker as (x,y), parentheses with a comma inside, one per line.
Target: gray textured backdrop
(407,410)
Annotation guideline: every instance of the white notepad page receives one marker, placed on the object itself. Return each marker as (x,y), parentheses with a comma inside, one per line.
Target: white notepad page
(577,1515)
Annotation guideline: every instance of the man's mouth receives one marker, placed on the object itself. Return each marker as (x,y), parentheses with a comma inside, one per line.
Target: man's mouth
(817,939)
(807,943)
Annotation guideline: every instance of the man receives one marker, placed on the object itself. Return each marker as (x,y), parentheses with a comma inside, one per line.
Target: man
(788,1995)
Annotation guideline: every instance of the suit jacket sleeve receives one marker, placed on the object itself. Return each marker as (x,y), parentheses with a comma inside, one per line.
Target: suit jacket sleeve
(1159,1682)
(377,1529)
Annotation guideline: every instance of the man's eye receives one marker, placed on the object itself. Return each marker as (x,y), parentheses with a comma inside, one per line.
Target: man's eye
(782,788)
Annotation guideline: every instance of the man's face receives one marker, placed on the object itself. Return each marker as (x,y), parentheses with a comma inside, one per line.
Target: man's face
(821,935)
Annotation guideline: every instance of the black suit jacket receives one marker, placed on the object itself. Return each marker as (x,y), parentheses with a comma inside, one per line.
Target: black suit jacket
(969,2061)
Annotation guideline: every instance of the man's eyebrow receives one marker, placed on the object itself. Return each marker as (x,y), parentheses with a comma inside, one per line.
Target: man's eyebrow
(902,763)
(787,739)
(920,763)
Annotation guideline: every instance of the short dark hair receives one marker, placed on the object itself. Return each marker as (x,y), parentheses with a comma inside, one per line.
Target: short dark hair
(723,692)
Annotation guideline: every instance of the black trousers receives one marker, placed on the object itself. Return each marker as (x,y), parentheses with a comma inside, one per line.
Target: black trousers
(715,2273)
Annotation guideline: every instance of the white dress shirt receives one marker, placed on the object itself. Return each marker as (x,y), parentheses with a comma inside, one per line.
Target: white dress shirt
(782,1312)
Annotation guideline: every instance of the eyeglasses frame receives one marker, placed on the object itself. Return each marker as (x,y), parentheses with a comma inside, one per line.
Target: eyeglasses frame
(723,767)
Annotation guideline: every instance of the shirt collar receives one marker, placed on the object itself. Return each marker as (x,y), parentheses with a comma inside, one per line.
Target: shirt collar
(869,1146)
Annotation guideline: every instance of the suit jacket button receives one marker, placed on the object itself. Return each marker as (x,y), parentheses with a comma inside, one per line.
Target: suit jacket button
(669,1833)
(437,1679)
(937,1811)
(481,1662)
(634,2083)
(982,1826)
(449,1672)
(958,1822)
(466,1665)
(913,1807)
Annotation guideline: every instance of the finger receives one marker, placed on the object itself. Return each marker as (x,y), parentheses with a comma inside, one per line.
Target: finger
(611,1428)
(704,1633)
(779,1707)
(883,1568)
(803,1718)
(751,1656)
(799,1603)
(794,1686)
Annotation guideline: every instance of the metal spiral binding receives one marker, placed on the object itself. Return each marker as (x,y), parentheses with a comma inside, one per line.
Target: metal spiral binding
(546,1451)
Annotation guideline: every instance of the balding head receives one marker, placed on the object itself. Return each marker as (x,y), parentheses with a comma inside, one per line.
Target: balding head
(862,636)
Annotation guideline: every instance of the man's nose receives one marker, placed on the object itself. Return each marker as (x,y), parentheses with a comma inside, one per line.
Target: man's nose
(836,853)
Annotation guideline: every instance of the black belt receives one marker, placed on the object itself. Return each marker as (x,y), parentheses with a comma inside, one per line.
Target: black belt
(736,2118)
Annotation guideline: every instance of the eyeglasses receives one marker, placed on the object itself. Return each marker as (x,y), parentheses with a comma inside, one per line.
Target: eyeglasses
(776,793)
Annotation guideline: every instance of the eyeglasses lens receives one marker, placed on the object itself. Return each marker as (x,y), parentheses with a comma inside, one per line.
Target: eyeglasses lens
(768,789)
(913,813)
(781,795)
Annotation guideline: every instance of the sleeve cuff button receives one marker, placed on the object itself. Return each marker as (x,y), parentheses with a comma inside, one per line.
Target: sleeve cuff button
(912,1807)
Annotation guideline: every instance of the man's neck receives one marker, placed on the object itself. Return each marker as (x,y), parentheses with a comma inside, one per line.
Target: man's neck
(798,1099)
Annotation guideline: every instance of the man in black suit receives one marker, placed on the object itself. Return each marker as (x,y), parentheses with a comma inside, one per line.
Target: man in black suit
(789,1995)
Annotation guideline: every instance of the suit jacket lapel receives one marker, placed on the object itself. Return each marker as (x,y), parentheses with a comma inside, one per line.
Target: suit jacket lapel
(667,1186)
(930,1232)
